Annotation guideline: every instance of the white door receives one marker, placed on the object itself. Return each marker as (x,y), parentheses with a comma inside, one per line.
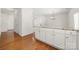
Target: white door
(4,23)
(71,40)
(43,34)
(59,39)
(11,22)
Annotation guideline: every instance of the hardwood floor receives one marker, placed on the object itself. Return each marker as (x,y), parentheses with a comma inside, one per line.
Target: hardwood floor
(12,41)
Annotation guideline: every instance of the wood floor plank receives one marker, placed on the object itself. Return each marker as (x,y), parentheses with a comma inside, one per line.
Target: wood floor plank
(12,41)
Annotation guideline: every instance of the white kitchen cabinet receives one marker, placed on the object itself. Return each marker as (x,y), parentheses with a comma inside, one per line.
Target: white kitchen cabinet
(71,40)
(37,33)
(59,39)
(50,36)
(78,39)
(40,34)
(43,34)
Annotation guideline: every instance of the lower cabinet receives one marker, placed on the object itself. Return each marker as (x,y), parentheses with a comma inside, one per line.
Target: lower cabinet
(43,34)
(37,33)
(50,36)
(61,39)
(71,40)
(55,38)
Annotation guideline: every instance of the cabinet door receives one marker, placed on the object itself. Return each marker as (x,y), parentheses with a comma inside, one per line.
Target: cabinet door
(42,34)
(50,36)
(59,39)
(71,40)
(78,39)
(37,34)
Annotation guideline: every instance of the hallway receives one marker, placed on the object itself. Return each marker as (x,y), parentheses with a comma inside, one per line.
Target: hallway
(12,41)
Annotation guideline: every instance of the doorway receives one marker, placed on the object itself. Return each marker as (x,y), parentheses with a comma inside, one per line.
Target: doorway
(76,21)
(7,25)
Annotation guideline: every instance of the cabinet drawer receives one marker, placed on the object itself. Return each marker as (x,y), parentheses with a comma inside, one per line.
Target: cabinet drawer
(71,32)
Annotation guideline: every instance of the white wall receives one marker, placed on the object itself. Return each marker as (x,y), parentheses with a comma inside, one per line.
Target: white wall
(61,17)
(27,18)
(23,21)
(41,11)
(0,21)
(18,21)
(61,21)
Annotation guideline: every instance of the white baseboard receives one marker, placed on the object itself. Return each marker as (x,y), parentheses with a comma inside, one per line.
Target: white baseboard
(25,34)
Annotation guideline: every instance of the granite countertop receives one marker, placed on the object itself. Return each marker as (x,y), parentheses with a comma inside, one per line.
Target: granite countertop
(70,29)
